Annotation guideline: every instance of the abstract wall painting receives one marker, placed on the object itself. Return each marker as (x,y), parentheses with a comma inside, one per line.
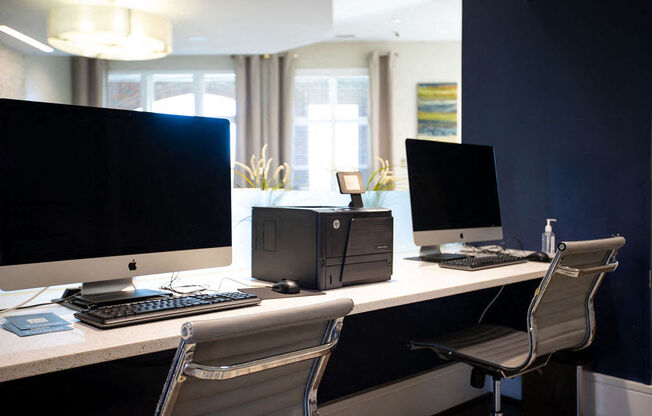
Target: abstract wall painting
(437,111)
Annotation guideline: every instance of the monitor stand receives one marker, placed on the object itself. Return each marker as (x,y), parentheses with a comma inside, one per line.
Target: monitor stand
(356,201)
(108,292)
(434,254)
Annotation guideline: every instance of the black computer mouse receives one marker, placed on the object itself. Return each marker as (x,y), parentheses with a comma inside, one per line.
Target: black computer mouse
(538,256)
(286,286)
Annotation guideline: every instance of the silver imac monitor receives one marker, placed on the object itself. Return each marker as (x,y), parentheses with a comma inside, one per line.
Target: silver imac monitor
(98,196)
(453,194)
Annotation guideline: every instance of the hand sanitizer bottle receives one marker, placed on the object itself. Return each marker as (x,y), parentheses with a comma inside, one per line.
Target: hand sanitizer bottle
(548,239)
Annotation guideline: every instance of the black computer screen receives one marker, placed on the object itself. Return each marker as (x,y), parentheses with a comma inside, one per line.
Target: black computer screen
(452,186)
(82,182)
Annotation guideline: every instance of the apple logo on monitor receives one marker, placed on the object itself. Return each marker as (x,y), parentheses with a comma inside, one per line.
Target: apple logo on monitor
(132,265)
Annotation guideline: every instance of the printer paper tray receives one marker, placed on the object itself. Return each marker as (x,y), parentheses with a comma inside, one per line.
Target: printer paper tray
(365,258)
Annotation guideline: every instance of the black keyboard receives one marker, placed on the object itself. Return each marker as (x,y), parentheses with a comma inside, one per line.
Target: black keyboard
(111,316)
(482,262)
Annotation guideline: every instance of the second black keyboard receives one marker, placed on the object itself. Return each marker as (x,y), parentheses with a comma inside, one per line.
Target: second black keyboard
(482,262)
(112,316)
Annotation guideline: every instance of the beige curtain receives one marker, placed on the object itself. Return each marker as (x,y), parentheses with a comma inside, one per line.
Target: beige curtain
(264,97)
(380,106)
(89,81)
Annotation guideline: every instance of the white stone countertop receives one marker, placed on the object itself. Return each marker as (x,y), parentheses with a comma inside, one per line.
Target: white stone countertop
(412,281)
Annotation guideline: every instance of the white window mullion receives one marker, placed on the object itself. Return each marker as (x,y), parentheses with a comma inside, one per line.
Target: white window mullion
(332,98)
(198,89)
(148,92)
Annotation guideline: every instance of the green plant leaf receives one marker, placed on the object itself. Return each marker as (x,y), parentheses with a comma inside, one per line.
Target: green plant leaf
(244,177)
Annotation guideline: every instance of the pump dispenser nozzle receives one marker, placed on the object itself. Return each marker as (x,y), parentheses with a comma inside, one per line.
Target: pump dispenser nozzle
(548,226)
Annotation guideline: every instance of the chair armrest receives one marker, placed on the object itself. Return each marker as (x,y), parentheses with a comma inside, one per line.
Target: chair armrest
(577,272)
(225,372)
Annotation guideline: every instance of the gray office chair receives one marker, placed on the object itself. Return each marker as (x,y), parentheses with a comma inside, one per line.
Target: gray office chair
(560,316)
(267,364)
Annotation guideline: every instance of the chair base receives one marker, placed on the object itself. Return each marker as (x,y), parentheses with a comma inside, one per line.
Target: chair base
(497,410)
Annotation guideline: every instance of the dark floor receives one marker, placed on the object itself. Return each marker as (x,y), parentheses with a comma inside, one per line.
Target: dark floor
(482,406)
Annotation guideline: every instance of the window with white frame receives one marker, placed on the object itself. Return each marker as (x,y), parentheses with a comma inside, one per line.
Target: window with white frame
(331,126)
(208,94)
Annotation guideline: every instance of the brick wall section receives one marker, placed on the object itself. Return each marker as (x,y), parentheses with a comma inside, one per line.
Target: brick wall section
(12,73)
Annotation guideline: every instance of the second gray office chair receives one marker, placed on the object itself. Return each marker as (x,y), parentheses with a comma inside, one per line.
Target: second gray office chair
(267,364)
(560,316)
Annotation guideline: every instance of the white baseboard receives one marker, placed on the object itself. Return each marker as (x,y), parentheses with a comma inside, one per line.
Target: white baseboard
(606,396)
(422,395)
(441,389)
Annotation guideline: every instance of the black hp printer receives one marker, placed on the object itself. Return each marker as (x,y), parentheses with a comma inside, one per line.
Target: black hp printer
(323,247)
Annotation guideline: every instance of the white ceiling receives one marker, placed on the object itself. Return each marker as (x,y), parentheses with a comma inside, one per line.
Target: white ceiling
(207,27)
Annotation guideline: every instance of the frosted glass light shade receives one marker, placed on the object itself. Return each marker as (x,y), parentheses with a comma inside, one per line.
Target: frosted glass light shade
(108,32)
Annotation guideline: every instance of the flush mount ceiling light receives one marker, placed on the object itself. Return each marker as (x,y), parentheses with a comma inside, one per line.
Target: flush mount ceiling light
(109,32)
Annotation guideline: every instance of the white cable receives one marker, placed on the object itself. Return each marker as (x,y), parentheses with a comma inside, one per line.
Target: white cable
(491,303)
(4,311)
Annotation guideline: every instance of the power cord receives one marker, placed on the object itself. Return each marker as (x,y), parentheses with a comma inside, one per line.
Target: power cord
(520,243)
(53,302)
(202,288)
(175,289)
(491,303)
(494,248)
(20,305)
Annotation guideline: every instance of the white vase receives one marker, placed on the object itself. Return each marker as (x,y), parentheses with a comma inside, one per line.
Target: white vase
(374,199)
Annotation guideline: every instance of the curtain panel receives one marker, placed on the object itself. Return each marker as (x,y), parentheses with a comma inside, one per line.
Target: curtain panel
(264,98)
(380,106)
(89,78)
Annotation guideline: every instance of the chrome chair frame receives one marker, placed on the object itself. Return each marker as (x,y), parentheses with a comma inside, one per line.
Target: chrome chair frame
(599,271)
(534,359)
(184,366)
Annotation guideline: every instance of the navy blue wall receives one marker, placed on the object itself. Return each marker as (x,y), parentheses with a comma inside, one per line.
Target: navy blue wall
(562,90)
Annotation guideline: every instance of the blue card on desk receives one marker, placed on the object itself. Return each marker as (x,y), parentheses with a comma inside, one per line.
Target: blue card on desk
(35,331)
(39,320)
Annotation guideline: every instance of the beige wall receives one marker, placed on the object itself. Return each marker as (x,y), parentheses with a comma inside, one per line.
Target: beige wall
(12,73)
(48,79)
(177,63)
(35,77)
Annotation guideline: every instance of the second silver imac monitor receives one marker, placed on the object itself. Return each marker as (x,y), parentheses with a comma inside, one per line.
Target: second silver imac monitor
(453,192)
